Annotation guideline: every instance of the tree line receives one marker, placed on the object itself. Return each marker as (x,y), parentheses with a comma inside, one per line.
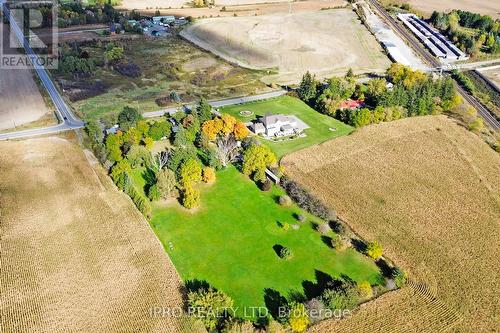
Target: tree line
(403,92)
(201,143)
(472,32)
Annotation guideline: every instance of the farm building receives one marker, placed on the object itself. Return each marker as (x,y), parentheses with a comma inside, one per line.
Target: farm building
(439,45)
(163,19)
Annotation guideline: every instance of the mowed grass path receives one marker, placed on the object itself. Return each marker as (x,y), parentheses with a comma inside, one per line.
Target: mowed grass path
(320,124)
(228,242)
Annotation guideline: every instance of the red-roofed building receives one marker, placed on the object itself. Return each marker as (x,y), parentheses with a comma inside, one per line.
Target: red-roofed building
(351,104)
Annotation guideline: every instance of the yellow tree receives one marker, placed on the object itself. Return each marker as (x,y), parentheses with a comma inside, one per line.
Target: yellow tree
(240,131)
(228,123)
(298,319)
(211,128)
(208,175)
(255,161)
(190,197)
(190,172)
(149,142)
(142,127)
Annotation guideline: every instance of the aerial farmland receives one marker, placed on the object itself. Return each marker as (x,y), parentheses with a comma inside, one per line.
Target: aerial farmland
(249,166)
(293,44)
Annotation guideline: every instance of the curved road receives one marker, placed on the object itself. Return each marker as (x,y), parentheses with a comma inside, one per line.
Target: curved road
(68,120)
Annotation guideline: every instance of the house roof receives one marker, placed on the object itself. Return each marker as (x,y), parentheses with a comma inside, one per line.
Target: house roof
(270,119)
(351,104)
(258,126)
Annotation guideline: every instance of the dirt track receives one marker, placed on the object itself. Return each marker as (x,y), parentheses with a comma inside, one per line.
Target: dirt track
(76,254)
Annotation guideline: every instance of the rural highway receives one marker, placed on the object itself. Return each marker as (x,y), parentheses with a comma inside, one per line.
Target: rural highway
(68,120)
(419,48)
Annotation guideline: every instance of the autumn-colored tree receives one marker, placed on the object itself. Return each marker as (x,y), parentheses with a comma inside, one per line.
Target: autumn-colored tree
(298,319)
(149,142)
(365,290)
(374,250)
(240,131)
(132,137)
(476,125)
(228,123)
(401,73)
(190,172)
(208,175)
(211,128)
(255,161)
(143,127)
(190,197)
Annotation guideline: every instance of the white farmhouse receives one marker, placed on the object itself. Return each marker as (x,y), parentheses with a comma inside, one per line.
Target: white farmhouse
(276,125)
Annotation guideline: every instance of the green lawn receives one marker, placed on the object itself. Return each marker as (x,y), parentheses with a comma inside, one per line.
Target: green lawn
(320,124)
(228,242)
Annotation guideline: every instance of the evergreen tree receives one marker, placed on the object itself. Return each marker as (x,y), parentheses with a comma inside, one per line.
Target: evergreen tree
(308,87)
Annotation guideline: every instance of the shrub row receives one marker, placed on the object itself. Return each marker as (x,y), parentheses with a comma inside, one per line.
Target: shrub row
(139,200)
(464,81)
(305,200)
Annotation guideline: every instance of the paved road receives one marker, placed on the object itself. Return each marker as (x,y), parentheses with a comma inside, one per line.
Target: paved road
(35,132)
(68,120)
(220,103)
(477,64)
(419,48)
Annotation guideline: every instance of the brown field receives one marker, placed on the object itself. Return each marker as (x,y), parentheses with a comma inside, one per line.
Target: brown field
(20,99)
(429,192)
(252,8)
(143,4)
(493,75)
(292,44)
(76,254)
(488,7)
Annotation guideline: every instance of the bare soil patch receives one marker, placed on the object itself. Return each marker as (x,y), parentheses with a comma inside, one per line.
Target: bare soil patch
(428,191)
(76,254)
(292,44)
(199,64)
(266,8)
(493,75)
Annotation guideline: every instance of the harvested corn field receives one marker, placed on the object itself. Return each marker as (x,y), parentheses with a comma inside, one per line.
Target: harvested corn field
(76,255)
(428,191)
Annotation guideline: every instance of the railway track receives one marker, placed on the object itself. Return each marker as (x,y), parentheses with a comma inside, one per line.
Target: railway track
(487,116)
